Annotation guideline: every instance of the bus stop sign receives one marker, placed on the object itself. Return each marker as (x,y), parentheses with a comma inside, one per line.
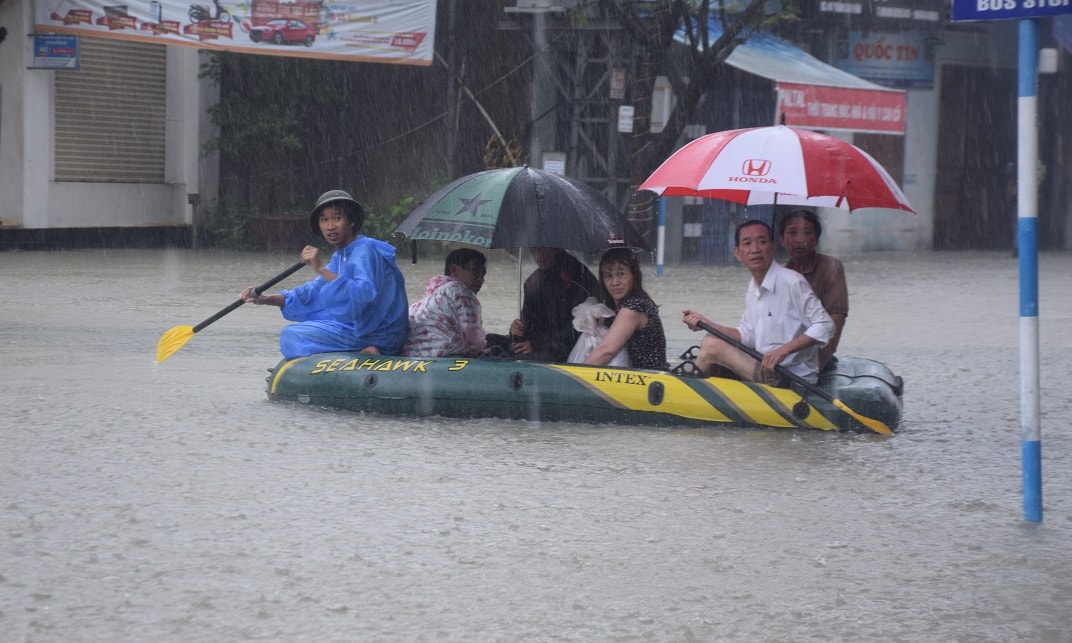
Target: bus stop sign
(1005,9)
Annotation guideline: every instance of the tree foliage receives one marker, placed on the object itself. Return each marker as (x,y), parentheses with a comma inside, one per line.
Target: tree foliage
(288,129)
(291,128)
(653,27)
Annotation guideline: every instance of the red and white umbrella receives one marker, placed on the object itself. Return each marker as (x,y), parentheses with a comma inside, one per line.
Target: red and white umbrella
(777,165)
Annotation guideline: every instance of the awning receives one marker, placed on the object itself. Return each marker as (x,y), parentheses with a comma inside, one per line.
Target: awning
(812,93)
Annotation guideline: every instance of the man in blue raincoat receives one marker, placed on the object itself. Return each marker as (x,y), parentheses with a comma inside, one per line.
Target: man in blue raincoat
(358,300)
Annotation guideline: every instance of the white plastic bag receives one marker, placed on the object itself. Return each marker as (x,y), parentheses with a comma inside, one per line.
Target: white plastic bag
(587,318)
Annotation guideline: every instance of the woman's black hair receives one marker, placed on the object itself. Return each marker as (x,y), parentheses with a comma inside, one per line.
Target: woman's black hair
(626,257)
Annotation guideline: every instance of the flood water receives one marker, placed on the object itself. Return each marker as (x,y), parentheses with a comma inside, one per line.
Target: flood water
(173,502)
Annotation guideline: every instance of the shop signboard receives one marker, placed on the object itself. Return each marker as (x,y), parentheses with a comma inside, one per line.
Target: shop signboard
(889,58)
(841,108)
(55,52)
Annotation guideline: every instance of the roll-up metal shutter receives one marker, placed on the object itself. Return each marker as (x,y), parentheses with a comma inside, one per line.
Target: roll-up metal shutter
(110,114)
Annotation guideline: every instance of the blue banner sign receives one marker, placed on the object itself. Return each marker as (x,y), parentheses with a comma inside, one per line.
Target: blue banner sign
(890,58)
(55,51)
(1005,9)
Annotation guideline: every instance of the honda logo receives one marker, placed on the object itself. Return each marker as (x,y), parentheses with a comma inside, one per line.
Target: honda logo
(755,167)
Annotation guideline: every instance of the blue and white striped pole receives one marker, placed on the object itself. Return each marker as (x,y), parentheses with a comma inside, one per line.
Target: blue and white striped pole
(1027,229)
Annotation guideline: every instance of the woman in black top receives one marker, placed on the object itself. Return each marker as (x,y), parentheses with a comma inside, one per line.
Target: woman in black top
(637,325)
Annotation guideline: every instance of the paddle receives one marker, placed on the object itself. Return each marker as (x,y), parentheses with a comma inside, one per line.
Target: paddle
(177,337)
(875,425)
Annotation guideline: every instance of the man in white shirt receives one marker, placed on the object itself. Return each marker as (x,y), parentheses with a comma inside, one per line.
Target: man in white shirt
(783,319)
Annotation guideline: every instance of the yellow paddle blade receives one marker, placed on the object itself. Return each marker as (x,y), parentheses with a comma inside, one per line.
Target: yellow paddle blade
(172,341)
(878,426)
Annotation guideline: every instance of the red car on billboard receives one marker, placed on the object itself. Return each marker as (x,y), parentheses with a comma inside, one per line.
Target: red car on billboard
(311,12)
(283,31)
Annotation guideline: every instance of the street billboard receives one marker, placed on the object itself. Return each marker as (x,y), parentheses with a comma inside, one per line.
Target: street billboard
(387,31)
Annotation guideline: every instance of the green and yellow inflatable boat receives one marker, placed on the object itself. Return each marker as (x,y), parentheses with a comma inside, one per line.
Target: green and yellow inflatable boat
(857,394)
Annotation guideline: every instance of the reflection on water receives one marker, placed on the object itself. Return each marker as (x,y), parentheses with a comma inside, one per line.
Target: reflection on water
(173,502)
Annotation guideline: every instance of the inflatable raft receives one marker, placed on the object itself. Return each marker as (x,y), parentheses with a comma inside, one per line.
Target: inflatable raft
(552,392)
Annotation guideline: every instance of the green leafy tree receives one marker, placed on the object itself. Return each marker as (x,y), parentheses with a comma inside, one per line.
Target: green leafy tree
(652,27)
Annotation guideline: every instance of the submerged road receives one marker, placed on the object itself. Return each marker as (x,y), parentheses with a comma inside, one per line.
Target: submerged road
(172,502)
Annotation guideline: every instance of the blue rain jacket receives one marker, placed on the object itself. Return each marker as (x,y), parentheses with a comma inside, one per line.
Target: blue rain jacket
(365,306)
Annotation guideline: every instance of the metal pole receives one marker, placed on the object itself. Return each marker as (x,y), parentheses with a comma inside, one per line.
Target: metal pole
(1027,220)
(538,101)
(452,88)
(194,200)
(660,243)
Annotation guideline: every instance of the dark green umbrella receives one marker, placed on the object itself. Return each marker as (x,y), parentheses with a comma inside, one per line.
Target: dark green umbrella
(520,207)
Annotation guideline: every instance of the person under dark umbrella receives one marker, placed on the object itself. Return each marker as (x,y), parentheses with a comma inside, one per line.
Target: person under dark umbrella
(545,331)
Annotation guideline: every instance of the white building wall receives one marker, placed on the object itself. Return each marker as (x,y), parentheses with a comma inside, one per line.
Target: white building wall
(874,229)
(921,161)
(30,198)
(14,57)
(870,230)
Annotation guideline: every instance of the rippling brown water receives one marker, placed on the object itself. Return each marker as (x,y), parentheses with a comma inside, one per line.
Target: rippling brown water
(173,502)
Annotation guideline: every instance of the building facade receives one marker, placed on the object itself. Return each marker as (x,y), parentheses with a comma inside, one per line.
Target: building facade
(118,145)
(113,145)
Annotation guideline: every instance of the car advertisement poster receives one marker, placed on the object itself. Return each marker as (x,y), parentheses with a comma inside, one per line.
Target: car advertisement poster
(388,31)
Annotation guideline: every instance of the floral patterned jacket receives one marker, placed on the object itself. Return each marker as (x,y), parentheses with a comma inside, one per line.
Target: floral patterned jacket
(446,321)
